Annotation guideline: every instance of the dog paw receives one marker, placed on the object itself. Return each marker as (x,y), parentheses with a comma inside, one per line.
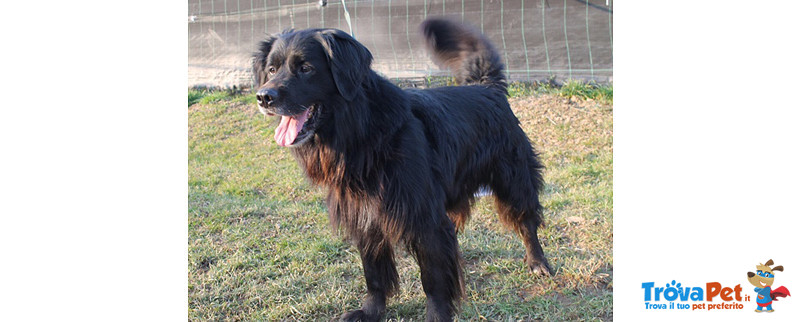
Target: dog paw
(358,315)
(539,268)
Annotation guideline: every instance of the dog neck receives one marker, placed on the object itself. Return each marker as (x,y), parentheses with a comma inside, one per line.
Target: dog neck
(346,152)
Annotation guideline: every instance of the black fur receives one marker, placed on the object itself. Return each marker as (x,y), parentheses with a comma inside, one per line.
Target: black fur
(466,52)
(402,166)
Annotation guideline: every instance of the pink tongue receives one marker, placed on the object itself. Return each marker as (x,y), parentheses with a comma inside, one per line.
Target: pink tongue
(290,126)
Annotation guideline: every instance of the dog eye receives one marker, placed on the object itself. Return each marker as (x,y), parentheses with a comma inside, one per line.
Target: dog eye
(271,70)
(305,69)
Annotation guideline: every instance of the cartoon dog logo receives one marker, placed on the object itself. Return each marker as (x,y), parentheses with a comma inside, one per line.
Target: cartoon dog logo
(762,279)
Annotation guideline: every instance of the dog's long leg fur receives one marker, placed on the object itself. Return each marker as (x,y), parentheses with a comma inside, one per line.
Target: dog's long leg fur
(380,273)
(517,203)
(440,269)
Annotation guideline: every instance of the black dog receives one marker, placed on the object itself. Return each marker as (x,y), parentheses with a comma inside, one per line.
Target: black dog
(402,166)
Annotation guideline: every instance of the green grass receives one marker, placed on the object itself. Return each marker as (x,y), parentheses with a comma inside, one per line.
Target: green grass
(206,97)
(575,89)
(570,89)
(260,245)
(587,91)
(195,96)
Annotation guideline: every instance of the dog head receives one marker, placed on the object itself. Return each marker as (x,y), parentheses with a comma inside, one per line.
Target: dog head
(764,275)
(300,74)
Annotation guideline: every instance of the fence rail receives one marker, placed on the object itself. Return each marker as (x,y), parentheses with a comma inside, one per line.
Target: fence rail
(538,39)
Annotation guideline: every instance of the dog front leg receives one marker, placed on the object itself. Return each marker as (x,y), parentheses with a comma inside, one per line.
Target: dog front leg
(440,269)
(377,258)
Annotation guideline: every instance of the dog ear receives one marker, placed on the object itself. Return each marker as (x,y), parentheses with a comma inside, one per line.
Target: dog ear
(260,59)
(769,263)
(349,61)
(778,268)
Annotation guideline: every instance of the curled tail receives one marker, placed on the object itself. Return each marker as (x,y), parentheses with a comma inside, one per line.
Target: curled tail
(464,51)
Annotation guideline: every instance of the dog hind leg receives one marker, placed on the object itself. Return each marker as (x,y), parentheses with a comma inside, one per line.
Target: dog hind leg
(516,187)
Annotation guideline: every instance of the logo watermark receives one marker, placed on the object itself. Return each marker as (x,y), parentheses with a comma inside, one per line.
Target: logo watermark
(716,296)
(674,296)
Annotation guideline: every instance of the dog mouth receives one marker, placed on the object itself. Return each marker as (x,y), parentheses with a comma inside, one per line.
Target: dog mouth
(296,129)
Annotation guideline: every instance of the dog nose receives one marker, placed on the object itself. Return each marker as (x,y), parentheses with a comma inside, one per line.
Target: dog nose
(266,96)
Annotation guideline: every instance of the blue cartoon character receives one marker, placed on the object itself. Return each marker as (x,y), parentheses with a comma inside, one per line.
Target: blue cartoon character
(762,279)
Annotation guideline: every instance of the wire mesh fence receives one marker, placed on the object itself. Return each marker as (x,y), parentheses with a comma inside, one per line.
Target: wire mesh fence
(538,39)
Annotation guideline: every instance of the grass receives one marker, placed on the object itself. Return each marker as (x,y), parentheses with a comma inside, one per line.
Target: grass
(574,89)
(570,89)
(260,245)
